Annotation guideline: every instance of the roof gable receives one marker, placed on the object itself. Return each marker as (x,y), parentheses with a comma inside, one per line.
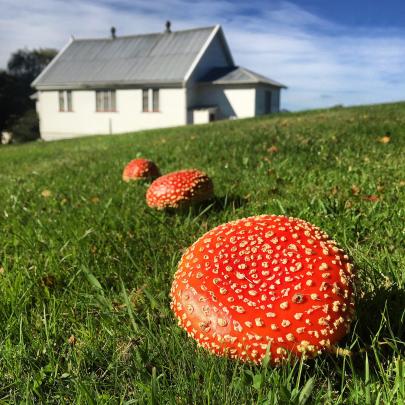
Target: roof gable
(141,59)
(215,53)
(237,75)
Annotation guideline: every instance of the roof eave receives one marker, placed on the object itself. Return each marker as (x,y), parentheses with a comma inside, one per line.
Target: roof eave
(243,82)
(113,85)
(51,63)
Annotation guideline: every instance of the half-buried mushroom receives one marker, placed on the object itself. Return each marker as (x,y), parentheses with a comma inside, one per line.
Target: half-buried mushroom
(140,169)
(264,283)
(179,189)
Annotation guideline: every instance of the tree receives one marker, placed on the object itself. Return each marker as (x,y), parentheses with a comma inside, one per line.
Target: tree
(12,98)
(16,108)
(26,64)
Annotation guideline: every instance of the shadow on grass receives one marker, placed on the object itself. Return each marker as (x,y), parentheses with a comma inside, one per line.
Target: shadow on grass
(381,314)
(219,204)
(378,337)
(216,204)
(226,202)
(379,332)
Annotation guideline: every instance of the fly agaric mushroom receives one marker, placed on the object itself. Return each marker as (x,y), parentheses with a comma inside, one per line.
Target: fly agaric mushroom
(140,169)
(179,189)
(264,283)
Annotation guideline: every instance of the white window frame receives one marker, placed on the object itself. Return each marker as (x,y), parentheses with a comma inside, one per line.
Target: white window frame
(155,99)
(152,100)
(65,100)
(106,100)
(145,100)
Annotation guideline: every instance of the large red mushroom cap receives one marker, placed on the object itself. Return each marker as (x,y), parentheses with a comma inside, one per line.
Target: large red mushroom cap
(140,169)
(179,189)
(264,283)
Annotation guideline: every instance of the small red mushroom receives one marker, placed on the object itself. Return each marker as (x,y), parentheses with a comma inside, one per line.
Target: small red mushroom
(140,169)
(264,283)
(179,189)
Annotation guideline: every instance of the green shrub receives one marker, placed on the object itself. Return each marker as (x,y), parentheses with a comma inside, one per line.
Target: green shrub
(26,127)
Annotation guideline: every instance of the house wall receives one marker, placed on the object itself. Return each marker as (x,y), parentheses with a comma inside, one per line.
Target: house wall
(260,97)
(201,116)
(231,102)
(84,120)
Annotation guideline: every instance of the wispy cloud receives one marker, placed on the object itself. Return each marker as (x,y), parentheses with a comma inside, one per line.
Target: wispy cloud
(323,63)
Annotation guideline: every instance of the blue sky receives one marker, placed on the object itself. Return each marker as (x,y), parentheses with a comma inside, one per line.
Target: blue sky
(327,52)
(358,13)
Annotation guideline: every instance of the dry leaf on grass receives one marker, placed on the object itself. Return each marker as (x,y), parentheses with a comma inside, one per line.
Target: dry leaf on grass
(72,340)
(46,193)
(355,189)
(273,149)
(48,280)
(372,198)
(385,139)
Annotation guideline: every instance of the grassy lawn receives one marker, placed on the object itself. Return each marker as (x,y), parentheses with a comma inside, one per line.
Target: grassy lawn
(86,266)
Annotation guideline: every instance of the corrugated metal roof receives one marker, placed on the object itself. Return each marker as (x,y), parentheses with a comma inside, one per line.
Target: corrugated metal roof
(150,58)
(237,75)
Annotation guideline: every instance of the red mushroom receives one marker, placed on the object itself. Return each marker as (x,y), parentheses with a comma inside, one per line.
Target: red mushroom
(264,283)
(140,169)
(179,189)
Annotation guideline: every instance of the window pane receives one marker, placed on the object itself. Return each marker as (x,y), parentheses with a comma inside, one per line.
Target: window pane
(106,103)
(113,103)
(69,100)
(145,100)
(61,101)
(106,100)
(98,100)
(155,99)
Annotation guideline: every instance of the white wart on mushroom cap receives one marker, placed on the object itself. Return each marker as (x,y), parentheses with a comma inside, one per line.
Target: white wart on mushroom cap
(264,281)
(179,189)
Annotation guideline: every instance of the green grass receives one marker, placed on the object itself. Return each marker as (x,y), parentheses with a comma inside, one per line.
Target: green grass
(86,271)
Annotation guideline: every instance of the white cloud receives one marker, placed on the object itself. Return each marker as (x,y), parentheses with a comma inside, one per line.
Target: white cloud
(321,62)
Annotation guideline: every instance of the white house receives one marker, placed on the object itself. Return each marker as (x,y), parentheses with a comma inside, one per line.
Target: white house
(129,83)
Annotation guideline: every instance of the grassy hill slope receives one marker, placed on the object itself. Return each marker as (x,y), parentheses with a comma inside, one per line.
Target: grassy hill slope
(86,266)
